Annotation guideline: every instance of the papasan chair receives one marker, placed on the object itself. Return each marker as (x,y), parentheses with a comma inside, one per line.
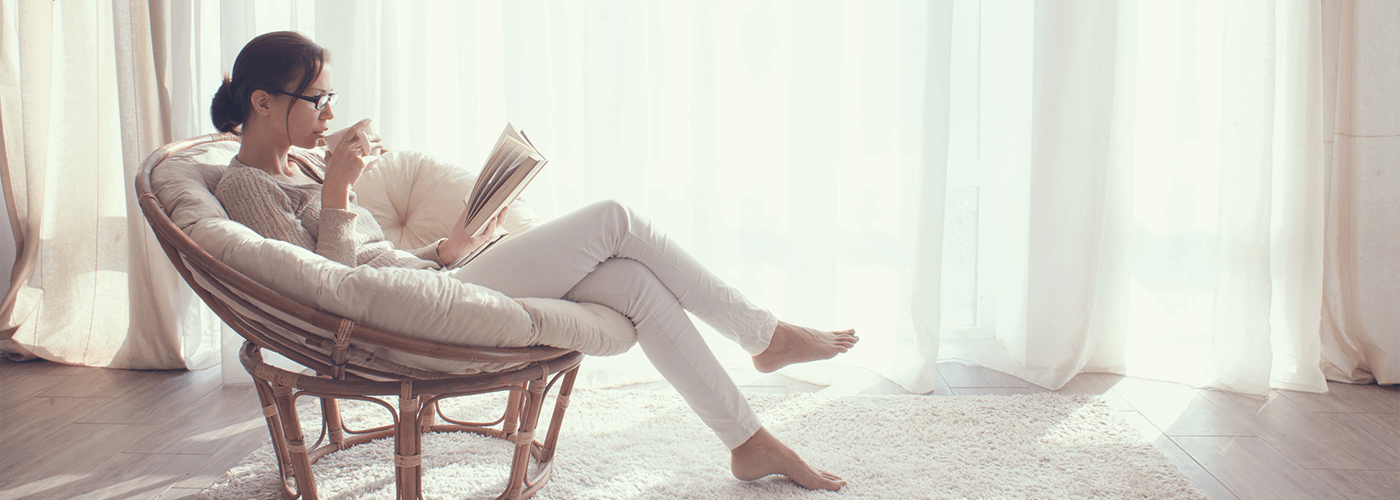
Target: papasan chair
(403,339)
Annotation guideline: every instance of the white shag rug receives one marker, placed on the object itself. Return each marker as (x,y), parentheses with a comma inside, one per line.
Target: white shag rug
(648,444)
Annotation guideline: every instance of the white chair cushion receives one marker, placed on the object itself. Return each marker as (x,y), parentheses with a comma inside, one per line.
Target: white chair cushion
(416,199)
(424,304)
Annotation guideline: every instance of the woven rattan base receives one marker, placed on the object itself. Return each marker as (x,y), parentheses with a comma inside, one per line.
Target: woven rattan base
(415,413)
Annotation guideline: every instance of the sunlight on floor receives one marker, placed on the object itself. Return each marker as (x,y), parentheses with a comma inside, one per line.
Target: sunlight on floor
(223,433)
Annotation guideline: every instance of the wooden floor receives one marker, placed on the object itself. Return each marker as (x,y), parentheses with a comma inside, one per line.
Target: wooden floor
(74,432)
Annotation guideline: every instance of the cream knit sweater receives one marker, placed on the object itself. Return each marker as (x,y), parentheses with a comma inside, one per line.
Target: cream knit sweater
(293,214)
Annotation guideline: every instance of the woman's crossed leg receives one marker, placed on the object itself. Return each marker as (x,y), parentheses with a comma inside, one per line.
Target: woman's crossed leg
(604,253)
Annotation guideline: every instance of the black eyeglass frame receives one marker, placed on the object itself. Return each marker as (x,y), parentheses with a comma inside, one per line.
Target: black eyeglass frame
(330,98)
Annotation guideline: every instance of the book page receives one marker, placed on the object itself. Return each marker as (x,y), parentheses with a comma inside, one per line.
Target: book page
(492,163)
(512,164)
(488,172)
(486,184)
(507,172)
(504,193)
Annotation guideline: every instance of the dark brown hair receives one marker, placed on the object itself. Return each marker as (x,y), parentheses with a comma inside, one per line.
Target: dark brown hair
(269,63)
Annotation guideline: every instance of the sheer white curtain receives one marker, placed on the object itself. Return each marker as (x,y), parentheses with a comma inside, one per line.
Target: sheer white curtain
(1159,204)
(781,142)
(1044,188)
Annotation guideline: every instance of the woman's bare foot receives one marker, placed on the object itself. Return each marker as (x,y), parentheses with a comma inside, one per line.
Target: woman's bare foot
(764,455)
(799,344)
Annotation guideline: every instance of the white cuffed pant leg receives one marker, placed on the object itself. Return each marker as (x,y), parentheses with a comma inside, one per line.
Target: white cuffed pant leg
(673,344)
(605,253)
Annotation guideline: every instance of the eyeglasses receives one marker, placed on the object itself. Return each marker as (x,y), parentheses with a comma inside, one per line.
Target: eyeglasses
(320,101)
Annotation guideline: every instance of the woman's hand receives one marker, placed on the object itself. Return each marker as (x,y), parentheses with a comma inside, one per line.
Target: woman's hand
(354,150)
(460,243)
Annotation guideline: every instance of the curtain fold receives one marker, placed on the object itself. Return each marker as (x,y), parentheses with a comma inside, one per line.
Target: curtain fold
(19,144)
(85,104)
(1240,348)
(1071,204)
(1360,323)
(916,370)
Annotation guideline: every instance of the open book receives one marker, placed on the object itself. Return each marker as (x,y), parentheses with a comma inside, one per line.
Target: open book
(513,163)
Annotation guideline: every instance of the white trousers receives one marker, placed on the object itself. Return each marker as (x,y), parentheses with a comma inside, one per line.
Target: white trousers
(607,254)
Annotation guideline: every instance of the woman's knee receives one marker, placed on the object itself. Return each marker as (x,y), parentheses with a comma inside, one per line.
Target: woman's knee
(612,212)
(610,206)
(618,283)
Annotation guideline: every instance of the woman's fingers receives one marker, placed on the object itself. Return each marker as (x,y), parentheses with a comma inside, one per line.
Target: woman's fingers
(345,163)
(350,142)
(377,143)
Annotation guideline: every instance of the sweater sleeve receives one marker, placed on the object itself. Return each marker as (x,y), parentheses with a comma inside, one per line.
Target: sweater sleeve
(261,204)
(336,236)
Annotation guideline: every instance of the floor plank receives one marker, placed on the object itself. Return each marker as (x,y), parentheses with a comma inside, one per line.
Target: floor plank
(1360,485)
(1314,440)
(106,383)
(224,458)
(158,400)
(1178,410)
(1252,469)
(132,476)
(1178,457)
(1350,398)
(226,413)
(1097,384)
(18,388)
(9,369)
(964,374)
(69,454)
(37,418)
(181,493)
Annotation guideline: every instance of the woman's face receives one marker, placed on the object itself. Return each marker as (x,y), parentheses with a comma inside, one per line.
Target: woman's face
(306,125)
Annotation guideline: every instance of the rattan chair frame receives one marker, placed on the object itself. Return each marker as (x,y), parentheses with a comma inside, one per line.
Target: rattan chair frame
(332,347)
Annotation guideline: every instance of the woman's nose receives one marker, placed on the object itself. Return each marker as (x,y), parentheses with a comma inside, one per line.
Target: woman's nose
(327,112)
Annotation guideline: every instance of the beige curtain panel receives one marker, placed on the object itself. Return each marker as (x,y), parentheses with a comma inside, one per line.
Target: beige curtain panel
(1361,287)
(82,103)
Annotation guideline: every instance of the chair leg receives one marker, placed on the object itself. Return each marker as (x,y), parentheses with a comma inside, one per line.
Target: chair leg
(295,442)
(566,388)
(408,439)
(520,465)
(335,432)
(274,427)
(512,416)
(428,415)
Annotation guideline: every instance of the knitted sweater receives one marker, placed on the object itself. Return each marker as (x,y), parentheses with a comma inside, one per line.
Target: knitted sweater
(282,211)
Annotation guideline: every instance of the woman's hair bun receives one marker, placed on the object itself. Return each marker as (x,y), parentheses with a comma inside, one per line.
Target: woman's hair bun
(225,111)
(280,60)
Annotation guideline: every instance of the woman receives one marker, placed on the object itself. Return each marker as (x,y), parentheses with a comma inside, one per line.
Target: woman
(280,95)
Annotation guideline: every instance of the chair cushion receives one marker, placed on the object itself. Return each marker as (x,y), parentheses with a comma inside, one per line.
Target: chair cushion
(405,187)
(185,182)
(416,198)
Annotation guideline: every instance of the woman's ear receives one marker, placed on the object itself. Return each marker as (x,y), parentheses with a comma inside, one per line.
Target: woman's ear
(262,102)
